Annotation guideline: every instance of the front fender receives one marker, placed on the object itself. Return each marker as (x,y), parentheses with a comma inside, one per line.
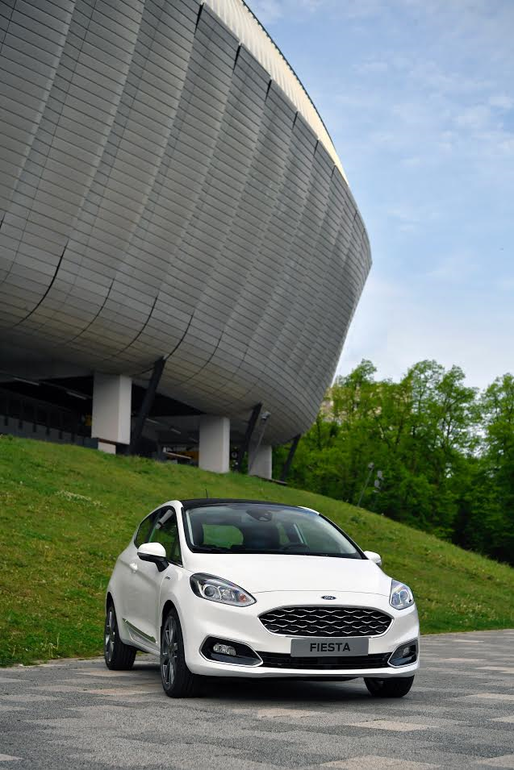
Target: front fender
(175,588)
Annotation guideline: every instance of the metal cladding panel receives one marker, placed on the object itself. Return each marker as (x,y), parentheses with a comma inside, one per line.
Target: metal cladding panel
(239,18)
(168,189)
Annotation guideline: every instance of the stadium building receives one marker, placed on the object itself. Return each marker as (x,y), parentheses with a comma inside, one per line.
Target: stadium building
(180,252)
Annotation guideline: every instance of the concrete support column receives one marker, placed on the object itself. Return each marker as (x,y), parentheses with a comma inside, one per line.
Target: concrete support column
(112,409)
(214,444)
(260,461)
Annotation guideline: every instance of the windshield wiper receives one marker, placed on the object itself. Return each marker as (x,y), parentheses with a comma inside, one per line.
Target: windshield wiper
(211,549)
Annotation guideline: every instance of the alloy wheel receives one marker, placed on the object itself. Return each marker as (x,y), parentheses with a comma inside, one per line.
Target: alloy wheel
(110,634)
(169,652)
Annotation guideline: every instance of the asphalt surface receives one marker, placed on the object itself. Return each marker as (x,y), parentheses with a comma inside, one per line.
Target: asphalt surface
(77,714)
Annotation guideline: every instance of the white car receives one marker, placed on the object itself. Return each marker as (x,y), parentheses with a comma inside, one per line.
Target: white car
(241,588)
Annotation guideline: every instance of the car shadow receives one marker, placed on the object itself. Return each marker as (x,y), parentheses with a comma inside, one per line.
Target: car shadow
(274,689)
(283,691)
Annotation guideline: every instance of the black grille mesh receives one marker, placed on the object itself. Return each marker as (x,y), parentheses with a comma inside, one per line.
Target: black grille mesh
(326,621)
(279,660)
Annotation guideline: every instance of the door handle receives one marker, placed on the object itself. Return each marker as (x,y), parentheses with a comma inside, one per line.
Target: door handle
(133,567)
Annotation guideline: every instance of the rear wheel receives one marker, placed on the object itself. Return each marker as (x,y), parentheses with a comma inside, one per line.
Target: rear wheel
(177,679)
(118,655)
(389,688)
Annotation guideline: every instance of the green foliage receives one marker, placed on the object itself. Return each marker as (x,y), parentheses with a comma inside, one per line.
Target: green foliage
(66,513)
(445,450)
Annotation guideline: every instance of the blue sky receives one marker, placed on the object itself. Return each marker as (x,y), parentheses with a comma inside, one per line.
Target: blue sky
(418,96)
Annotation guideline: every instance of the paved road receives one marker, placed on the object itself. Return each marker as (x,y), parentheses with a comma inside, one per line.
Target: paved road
(76,714)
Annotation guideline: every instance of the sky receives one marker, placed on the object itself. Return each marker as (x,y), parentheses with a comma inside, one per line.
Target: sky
(418,96)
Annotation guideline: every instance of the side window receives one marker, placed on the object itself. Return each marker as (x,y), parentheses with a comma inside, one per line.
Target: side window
(145,528)
(165,532)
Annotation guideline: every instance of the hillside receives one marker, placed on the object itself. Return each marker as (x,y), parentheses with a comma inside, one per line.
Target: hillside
(66,513)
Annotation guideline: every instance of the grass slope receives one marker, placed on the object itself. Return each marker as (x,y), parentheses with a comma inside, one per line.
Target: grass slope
(66,513)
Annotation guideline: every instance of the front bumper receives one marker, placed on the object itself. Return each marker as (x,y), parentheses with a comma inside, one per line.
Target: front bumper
(241,624)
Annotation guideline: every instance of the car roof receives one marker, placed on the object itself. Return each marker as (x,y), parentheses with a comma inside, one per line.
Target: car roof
(201,502)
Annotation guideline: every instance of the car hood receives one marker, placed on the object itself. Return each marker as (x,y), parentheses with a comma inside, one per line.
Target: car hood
(257,573)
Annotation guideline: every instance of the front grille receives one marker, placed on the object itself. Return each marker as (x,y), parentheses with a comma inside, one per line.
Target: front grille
(281,660)
(326,621)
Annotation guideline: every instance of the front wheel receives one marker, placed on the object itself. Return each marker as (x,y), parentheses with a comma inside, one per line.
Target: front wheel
(177,679)
(389,688)
(118,655)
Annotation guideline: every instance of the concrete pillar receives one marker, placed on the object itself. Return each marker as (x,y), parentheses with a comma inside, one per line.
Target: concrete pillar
(214,444)
(260,461)
(112,408)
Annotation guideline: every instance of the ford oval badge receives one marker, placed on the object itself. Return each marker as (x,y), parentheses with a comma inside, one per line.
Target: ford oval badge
(328,597)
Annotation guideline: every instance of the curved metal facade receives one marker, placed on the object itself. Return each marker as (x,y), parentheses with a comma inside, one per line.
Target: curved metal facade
(160,195)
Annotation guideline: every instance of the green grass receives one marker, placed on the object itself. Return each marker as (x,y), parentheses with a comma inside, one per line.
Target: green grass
(66,513)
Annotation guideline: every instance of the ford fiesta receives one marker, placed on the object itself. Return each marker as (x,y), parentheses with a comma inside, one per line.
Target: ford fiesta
(256,589)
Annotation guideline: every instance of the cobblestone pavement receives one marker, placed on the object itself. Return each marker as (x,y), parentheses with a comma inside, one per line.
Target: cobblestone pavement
(77,714)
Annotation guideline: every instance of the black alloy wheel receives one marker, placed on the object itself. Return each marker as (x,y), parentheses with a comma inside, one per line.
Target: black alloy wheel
(118,655)
(177,680)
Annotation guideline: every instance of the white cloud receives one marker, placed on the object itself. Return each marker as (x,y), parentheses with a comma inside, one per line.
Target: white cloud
(371,66)
(408,217)
(413,161)
(454,268)
(474,118)
(506,284)
(502,101)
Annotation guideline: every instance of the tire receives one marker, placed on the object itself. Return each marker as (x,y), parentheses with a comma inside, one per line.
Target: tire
(118,656)
(177,679)
(389,688)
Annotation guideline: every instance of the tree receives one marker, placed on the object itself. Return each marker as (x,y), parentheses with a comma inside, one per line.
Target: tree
(446,452)
(490,525)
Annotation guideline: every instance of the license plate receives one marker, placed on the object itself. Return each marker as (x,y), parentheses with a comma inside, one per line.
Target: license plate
(305,648)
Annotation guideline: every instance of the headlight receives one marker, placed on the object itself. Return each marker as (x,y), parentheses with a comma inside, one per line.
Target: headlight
(401,596)
(218,590)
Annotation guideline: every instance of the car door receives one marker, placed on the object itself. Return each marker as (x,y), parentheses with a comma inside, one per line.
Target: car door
(122,581)
(147,579)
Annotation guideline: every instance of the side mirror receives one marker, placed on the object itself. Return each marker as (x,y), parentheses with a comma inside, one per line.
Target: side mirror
(374,557)
(155,553)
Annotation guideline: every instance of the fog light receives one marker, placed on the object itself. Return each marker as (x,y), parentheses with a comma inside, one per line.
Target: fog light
(227,651)
(404,655)
(224,649)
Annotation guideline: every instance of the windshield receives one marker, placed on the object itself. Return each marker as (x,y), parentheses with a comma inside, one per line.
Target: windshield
(264,528)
